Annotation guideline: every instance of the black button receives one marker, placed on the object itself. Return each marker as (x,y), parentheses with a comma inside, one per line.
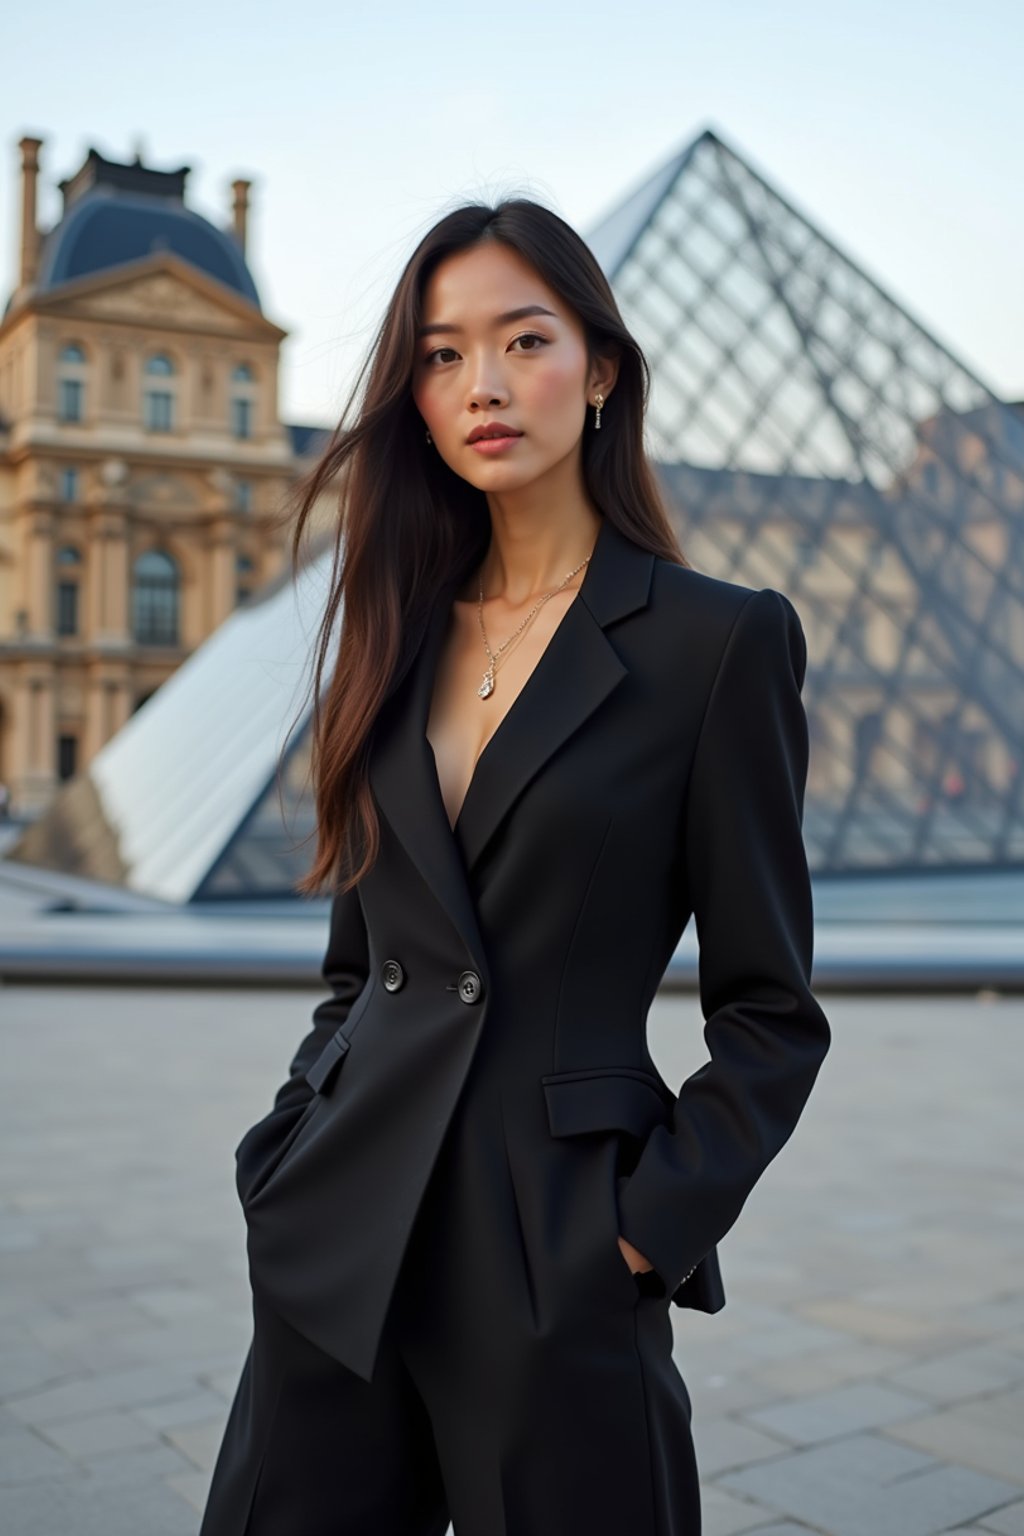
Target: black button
(392,975)
(470,987)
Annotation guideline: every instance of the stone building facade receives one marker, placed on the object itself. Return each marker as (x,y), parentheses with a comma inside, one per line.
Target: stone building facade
(143,464)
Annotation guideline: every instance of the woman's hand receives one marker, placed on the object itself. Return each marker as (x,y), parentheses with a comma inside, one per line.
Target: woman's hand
(637,1261)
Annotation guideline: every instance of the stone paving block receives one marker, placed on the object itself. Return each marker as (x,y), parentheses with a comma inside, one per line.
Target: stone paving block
(102,1311)
(972,1436)
(827,1415)
(74,1507)
(955,1287)
(717,1397)
(199,1442)
(12,1337)
(781,1336)
(167,1302)
(226,1277)
(98,1353)
(905,1330)
(940,1500)
(785,1528)
(832,1368)
(960,1373)
(723,1514)
(68,1334)
(24,1457)
(112,1389)
(223,1366)
(187,1339)
(135,1464)
(706,1354)
(723,1443)
(92,1432)
(1004,1409)
(868,1484)
(999,1314)
(1008,1521)
(224,1383)
(30,1368)
(18,1233)
(200,1407)
(141,1264)
(193,1486)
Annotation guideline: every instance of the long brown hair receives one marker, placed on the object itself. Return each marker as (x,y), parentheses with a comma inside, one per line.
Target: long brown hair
(407,523)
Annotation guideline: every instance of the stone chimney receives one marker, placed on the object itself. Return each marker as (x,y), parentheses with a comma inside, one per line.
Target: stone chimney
(29,258)
(240,211)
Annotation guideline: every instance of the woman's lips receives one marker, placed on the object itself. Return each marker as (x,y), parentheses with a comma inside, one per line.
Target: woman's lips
(495,445)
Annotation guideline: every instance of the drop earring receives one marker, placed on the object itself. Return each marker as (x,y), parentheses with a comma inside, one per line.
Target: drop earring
(598,402)
(429,438)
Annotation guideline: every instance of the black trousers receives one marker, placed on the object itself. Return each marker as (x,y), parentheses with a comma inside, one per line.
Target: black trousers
(470,1418)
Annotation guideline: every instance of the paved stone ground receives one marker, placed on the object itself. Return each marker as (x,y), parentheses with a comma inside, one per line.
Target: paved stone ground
(865,1379)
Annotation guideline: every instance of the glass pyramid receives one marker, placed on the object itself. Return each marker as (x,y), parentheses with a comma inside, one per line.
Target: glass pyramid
(814,437)
(811,436)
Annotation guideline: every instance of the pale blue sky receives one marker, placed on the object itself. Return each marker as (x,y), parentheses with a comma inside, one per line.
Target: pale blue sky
(896,127)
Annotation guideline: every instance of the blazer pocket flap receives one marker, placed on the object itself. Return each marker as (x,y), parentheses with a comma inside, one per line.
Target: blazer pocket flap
(321,1074)
(327,1063)
(619,1098)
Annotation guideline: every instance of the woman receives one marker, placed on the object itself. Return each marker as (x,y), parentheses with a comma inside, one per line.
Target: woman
(546,741)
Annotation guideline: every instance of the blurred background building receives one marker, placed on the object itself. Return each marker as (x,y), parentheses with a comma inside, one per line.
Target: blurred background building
(810,433)
(143,463)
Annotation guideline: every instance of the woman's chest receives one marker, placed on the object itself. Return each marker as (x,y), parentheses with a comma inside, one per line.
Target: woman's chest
(479,677)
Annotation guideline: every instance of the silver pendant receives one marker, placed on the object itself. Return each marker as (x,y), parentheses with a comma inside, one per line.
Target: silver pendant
(487,686)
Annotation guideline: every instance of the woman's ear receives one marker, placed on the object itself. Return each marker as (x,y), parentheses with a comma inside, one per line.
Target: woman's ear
(603,374)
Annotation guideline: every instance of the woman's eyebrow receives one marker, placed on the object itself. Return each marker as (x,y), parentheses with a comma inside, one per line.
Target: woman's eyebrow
(510,314)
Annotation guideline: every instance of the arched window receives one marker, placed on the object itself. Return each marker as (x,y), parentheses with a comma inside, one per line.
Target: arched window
(243,401)
(159,394)
(69,570)
(68,484)
(156,586)
(71,367)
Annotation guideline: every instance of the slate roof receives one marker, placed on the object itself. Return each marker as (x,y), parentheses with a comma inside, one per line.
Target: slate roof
(117,213)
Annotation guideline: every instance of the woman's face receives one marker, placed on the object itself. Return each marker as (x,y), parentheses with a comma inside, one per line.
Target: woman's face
(477,364)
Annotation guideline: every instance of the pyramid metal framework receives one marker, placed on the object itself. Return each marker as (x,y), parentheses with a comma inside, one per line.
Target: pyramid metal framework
(814,437)
(811,436)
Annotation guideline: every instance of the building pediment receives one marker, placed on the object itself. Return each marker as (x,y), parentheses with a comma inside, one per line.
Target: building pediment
(164,292)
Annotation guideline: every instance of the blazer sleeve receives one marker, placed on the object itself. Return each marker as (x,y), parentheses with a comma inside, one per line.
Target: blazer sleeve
(345,969)
(750,892)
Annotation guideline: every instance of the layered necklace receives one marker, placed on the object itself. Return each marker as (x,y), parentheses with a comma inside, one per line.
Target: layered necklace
(494,657)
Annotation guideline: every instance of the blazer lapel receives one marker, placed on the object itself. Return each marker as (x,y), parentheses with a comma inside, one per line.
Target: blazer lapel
(577,671)
(403,777)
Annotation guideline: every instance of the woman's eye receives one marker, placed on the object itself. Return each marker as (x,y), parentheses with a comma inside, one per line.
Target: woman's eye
(526,336)
(532,336)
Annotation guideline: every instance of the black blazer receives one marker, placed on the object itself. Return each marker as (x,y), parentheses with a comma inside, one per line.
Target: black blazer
(653,766)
